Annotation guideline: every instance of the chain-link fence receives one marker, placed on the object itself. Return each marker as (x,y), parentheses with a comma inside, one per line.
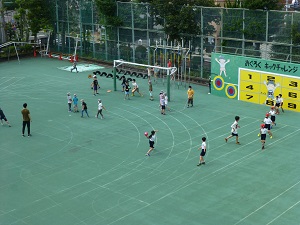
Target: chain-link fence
(263,34)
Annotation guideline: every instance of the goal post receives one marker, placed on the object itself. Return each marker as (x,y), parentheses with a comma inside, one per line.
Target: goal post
(169,70)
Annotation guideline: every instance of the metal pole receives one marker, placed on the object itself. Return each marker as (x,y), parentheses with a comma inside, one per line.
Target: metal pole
(267,33)
(57,25)
(148,37)
(68,20)
(291,47)
(221,33)
(201,63)
(243,43)
(93,29)
(132,31)
(118,35)
(80,25)
(168,84)
(115,78)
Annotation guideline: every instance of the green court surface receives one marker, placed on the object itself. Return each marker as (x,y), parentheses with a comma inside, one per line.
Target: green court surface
(82,171)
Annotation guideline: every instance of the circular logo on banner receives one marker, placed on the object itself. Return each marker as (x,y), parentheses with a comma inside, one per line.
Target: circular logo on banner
(231,91)
(218,83)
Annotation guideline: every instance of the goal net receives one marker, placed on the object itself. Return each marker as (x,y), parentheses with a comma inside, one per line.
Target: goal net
(135,70)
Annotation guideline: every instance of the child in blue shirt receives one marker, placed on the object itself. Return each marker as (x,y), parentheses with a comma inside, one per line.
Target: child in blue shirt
(75,102)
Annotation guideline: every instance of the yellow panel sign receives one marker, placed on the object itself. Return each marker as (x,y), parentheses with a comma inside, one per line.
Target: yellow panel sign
(248,75)
(250,87)
(249,97)
(267,78)
(291,105)
(291,82)
(292,94)
(262,88)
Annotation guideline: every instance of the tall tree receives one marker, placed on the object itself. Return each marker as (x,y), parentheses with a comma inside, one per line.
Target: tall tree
(38,12)
(179,16)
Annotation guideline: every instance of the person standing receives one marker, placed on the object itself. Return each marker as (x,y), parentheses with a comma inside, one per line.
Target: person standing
(74,67)
(234,130)
(95,85)
(100,108)
(281,102)
(162,104)
(203,151)
(3,117)
(151,138)
(190,94)
(209,85)
(26,120)
(75,102)
(84,108)
(69,101)
(123,83)
(167,102)
(127,87)
(150,88)
(263,133)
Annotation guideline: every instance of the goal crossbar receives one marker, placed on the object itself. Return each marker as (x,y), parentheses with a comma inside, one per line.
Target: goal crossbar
(170,71)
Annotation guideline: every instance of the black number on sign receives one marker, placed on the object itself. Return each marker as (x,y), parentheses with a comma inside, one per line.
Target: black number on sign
(249,96)
(250,87)
(269,102)
(292,95)
(250,76)
(293,84)
(270,78)
(292,106)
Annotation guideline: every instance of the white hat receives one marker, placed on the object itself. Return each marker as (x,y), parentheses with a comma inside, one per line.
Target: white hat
(74,94)
(68,93)
(94,76)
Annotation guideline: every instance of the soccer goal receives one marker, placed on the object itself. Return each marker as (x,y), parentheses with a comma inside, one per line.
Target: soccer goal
(138,70)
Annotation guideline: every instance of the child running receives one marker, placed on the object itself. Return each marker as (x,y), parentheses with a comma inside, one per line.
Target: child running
(74,67)
(263,133)
(268,122)
(135,88)
(3,117)
(100,107)
(203,152)
(272,113)
(151,138)
(234,130)
(84,108)
(277,104)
